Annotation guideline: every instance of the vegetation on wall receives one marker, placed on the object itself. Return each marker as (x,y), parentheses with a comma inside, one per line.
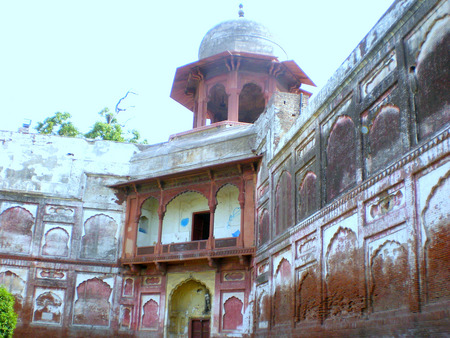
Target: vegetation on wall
(8,318)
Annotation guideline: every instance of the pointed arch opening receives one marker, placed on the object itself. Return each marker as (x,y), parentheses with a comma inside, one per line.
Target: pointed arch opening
(147,232)
(186,218)
(227,216)
(218,103)
(251,103)
(189,301)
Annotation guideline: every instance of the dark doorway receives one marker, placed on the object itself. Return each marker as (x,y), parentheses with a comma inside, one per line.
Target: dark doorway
(199,328)
(200,226)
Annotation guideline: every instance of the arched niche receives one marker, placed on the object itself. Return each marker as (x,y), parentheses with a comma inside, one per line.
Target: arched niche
(283,203)
(264,230)
(147,232)
(343,264)
(184,214)
(433,98)
(15,285)
(233,314)
(190,299)
(92,305)
(150,315)
(227,217)
(283,294)
(384,138)
(341,157)
(435,217)
(16,230)
(389,289)
(263,310)
(56,242)
(99,240)
(48,308)
(308,299)
(251,103)
(217,103)
(307,195)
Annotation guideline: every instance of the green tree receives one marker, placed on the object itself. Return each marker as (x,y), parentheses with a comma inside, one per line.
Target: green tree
(58,124)
(136,137)
(8,318)
(108,128)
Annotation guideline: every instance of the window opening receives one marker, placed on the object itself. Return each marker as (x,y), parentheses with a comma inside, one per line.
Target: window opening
(200,226)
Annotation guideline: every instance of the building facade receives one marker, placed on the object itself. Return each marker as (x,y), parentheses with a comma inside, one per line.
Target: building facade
(284,216)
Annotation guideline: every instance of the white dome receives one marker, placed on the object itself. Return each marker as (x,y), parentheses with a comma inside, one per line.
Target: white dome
(240,35)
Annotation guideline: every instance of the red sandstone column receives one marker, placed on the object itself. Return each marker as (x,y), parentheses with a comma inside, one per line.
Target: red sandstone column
(242,205)
(161,213)
(137,216)
(201,105)
(233,99)
(212,210)
(212,203)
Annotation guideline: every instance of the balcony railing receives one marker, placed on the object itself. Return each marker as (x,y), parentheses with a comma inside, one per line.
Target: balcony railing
(223,247)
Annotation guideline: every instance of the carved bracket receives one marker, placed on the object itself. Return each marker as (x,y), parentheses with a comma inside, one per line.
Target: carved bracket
(214,263)
(245,261)
(135,269)
(161,267)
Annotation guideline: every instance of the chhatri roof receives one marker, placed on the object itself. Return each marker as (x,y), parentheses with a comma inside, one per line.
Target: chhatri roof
(240,35)
(244,41)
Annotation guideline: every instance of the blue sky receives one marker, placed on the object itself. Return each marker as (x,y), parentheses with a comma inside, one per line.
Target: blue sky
(81,56)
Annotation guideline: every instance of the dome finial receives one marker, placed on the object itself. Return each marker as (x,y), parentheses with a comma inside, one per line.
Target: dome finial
(241,11)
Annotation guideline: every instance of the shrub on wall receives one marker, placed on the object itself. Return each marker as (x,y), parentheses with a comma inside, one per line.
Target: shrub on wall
(8,318)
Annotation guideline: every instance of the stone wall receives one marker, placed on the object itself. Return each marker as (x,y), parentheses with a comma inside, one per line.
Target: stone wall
(352,224)
(60,229)
(351,209)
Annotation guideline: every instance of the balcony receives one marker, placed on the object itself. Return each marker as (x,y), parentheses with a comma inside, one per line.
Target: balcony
(194,250)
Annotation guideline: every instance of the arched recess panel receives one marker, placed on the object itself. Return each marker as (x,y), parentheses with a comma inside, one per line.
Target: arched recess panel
(432,74)
(251,103)
(178,219)
(126,316)
(92,305)
(227,217)
(436,220)
(264,227)
(263,308)
(390,278)
(16,285)
(56,243)
(150,313)
(16,230)
(341,157)
(283,295)
(283,203)
(308,296)
(233,314)
(384,138)
(99,240)
(128,287)
(48,308)
(344,276)
(307,193)
(148,223)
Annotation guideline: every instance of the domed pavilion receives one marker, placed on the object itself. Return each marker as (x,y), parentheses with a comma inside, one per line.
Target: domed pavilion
(238,70)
